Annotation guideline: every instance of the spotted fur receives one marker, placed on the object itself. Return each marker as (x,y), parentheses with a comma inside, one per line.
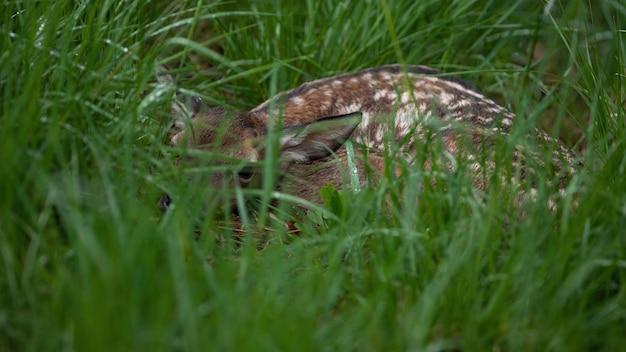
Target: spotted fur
(371,107)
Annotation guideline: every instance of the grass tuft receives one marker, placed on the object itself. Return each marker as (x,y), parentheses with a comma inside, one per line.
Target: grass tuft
(88,262)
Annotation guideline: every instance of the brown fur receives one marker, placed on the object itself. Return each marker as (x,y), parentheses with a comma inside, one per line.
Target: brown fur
(374,107)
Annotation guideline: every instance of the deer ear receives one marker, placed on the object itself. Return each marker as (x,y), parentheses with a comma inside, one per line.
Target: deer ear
(183,107)
(318,139)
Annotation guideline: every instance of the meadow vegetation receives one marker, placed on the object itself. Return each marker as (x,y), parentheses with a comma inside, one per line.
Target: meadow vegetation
(88,261)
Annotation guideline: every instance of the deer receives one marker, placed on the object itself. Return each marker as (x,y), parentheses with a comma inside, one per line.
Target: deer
(369,109)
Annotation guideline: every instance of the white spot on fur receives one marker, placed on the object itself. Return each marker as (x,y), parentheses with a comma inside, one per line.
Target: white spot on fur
(297,100)
(474,166)
(387,77)
(406,118)
(405,98)
(446,98)
(379,136)
(349,109)
(462,89)
(380,95)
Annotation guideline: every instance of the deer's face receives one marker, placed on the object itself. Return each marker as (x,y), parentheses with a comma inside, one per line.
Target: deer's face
(218,150)
(225,149)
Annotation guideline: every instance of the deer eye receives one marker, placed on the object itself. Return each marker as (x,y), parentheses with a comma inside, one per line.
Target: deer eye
(246,173)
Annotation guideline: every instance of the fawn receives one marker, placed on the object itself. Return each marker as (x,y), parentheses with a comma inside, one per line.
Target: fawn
(372,108)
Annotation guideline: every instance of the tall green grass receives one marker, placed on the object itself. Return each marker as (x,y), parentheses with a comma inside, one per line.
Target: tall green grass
(88,262)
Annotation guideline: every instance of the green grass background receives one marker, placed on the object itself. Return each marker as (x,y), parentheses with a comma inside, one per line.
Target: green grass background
(88,262)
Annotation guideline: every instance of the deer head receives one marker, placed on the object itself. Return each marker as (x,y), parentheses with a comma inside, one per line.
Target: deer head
(238,141)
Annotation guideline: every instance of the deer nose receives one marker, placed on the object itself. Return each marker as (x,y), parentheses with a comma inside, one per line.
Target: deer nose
(164,202)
